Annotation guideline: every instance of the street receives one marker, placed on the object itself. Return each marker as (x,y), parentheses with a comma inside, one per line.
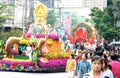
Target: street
(10,74)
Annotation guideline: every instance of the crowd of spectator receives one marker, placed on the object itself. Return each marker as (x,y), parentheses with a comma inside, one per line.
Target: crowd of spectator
(100,61)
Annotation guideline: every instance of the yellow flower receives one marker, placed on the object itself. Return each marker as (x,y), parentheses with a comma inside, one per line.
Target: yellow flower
(49,41)
(22,67)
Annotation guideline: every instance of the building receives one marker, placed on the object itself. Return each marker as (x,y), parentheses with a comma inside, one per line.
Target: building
(23,9)
(48,3)
(94,3)
(81,7)
(9,22)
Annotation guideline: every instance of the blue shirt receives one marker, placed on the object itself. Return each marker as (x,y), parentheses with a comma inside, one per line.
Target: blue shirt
(79,67)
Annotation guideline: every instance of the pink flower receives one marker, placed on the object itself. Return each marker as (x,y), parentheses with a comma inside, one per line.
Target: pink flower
(53,63)
(28,35)
(14,52)
(40,36)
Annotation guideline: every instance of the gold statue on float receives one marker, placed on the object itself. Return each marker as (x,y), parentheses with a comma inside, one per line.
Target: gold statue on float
(40,14)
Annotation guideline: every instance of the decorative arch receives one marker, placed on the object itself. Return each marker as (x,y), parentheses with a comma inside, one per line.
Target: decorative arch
(84,26)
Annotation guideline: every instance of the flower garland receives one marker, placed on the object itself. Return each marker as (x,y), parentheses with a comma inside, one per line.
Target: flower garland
(17,64)
(53,63)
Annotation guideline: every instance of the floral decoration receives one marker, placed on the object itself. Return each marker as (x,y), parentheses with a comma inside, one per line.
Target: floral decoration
(24,41)
(17,62)
(55,55)
(28,35)
(49,41)
(54,37)
(40,36)
(53,63)
(14,52)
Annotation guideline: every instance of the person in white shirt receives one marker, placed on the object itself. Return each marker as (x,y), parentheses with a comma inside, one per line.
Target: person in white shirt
(106,70)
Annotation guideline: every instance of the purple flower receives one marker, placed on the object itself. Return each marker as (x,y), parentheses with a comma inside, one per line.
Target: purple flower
(28,35)
(40,36)
(24,63)
(54,37)
(53,63)
(14,52)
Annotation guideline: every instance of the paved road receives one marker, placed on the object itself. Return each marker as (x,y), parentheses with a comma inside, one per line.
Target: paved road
(9,74)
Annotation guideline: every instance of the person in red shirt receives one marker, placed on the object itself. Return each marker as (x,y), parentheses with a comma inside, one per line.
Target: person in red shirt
(115,65)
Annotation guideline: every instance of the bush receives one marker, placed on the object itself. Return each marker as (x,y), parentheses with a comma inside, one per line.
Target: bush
(5,35)
(21,57)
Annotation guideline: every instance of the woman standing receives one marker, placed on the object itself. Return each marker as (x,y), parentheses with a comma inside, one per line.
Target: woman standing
(71,66)
(107,72)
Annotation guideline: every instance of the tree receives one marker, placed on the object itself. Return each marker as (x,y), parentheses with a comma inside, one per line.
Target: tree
(104,20)
(116,8)
(51,17)
(4,10)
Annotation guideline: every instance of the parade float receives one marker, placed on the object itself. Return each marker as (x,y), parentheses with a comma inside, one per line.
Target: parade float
(40,49)
(37,49)
(83,32)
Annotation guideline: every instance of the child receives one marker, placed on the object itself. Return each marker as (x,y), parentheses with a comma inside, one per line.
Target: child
(106,69)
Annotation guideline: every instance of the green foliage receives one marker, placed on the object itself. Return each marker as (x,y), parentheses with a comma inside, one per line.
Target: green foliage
(4,12)
(21,57)
(1,47)
(104,20)
(5,35)
(51,17)
(116,8)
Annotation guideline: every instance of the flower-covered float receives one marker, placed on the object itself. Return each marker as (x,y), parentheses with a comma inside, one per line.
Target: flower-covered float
(37,50)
